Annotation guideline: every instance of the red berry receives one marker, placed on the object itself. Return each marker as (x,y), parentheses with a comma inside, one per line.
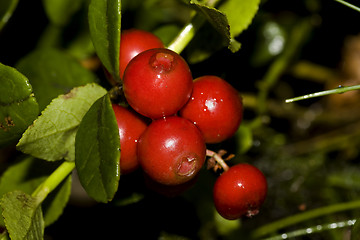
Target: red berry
(215,107)
(157,83)
(131,126)
(240,191)
(133,42)
(171,151)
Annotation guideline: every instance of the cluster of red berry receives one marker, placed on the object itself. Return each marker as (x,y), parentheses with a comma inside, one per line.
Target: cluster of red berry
(172,118)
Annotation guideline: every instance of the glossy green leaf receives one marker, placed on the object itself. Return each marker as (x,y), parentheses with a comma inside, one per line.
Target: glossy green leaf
(60,11)
(97,151)
(105,26)
(23,216)
(51,72)
(7,8)
(18,106)
(52,136)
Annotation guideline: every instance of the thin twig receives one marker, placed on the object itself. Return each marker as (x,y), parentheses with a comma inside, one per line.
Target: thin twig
(217,158)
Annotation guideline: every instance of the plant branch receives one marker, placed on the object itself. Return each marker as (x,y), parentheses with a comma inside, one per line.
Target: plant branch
(301,217)
(338,90)
(53,180)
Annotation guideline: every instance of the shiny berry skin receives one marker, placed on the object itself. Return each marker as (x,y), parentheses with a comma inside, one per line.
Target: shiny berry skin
(157,83)
(240,191)
(171,151)
(133,42)
(131,126)
(215,107)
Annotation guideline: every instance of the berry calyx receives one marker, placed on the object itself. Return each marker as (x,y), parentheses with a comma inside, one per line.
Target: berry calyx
(131,126)
(171,151)
(215,107)
(157,83)
(163,61)
(133,42)
(240,191)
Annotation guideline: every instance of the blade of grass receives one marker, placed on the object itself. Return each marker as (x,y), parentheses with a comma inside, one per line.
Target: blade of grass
(313,229)
(349,5)
(304,216)
(340,89)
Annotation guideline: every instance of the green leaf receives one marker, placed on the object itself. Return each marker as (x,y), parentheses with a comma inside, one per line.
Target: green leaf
(239,14)
(23,216)
(52,136)
(355,231)
(7,8)
(97,151)
(4,236)
(220,22)
(18,106)
(60,12)
(105,26)
(54,204)
(270,42)
(25,175)
(52,72)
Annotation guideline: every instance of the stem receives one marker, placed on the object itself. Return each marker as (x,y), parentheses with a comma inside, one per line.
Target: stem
(349,5)
(183,38)
(301,217)
(218,159)
(53,180)
(339,89)
(187,33)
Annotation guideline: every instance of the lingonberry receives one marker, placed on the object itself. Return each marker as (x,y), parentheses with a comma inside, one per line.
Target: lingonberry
(171,151)
(239,191)
(215,107)
(133,42)
(157,83)
(131,126)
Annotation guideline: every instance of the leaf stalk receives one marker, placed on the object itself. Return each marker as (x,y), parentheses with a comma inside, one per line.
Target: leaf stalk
(53,180)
